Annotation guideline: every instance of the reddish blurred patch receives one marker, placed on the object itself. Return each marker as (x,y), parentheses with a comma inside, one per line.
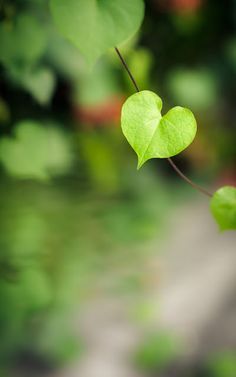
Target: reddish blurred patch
(100,114)
(179,5)
(227,177)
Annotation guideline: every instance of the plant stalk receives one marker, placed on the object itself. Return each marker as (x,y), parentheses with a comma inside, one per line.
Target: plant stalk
(171,162)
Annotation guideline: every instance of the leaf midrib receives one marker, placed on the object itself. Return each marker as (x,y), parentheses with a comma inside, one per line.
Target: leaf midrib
(155,130)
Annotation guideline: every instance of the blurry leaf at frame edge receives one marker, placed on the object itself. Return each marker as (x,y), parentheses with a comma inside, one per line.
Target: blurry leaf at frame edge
(95,26)
(222,365)
(152,135)
(36,151)
(223,207)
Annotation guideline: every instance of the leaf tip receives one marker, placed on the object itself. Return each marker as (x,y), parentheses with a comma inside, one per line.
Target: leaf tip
(140,163)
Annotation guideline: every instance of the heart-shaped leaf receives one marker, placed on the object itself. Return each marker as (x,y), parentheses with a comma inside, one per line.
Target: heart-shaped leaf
(223,207)
(152,135)
(96,25)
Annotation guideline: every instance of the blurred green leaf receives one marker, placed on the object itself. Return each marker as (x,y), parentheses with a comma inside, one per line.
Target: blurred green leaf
(22,41)
(40,84)
(196,89)
(157,352)
(222,365)
(223,207)
(152,135)
(36,151)
(78,19)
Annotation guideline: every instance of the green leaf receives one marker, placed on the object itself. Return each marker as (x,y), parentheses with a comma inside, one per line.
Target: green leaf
(94,26)
(223,207)
(22,41)
(40,83)
(157,352)
(35,152)
(152,135)
(196,89)
(222,364)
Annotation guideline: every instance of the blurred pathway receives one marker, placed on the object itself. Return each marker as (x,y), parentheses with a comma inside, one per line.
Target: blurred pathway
(109,337)
(196,293)
(198,286)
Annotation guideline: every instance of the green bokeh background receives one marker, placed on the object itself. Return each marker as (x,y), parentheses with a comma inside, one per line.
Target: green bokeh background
(72,203)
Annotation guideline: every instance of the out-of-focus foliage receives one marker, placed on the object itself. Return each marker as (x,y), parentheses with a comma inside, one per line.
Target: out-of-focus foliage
(49,261)
(40,83)
(86,24)
(157,352)
(223,206)
(222,365)
(90,211)
(36,151)
(22,41)
(195,89)
(57,121)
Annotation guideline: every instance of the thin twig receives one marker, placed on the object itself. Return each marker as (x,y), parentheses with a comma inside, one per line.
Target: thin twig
(127,69)
(171,162)
(186,179)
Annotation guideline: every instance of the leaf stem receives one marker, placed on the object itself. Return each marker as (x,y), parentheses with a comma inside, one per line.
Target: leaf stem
(186,179)
(127,69)
(171,162)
